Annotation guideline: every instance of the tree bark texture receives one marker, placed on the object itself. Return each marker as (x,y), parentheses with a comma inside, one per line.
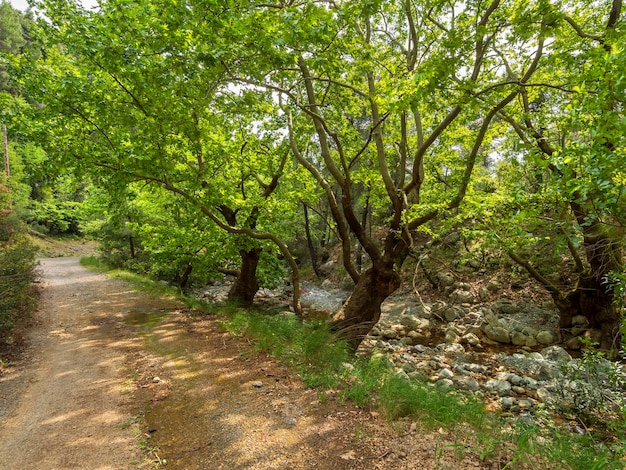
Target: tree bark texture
(362,309)
(592,297)
(246,285)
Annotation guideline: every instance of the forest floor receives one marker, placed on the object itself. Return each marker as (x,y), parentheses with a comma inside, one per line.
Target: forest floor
(109,378)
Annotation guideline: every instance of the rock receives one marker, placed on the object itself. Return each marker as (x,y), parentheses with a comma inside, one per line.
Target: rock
(505,307)
(497,333)
(156,380)
(411,322)
(327,267)
(493,285)
(529,331)
(579,320)
(500,387)
(389,333)
(507,402)
(467,383)
(257,384)
(445,279)
(416,337)
(504,375)
(474,263)
(477,368)
(453,350)
(452,238)
(445,373)
(462,297)
(419,349)
(483,294)
(595,336)
(574,343)
(518,338)
(525,404)
(445,383)
(426,313)
(402,374)
(545,337)
(531,342)
(450,314)
(530,383)
(544,394)
(547,371)
(555,354)
(451,336)
(289,421)
(471,339)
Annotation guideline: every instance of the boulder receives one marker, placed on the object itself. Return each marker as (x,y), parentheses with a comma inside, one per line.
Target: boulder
(466,383)
(389,333)
(445,279)
(499,387)
(410,321)
(546,337)
(518,338)
(505,307)
(497,333)
(555,354)
(471,339)
(462,296)
(493,285)
(451,336)
(450,314)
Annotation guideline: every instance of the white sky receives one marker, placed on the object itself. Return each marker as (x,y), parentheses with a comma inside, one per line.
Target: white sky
(22,5)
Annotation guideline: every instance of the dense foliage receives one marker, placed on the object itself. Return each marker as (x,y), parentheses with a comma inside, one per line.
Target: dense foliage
(209,125)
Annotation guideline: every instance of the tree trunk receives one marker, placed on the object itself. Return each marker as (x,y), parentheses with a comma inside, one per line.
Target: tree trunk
(309,240)
(362,309)
(246,285)
(184,277)
(593,297)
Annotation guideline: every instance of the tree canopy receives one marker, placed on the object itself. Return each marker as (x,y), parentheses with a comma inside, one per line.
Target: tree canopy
(507,116)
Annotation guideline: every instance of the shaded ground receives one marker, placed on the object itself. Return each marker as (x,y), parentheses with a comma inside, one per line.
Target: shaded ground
(112,379)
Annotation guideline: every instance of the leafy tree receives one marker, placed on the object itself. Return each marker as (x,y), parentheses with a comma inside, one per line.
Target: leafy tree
(389,96)
(568,166)
(134,91)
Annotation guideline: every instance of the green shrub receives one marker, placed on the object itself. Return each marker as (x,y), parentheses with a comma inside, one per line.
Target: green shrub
(17,273)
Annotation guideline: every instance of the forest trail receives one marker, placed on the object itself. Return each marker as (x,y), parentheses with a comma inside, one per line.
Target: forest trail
(114,379)
(65,404)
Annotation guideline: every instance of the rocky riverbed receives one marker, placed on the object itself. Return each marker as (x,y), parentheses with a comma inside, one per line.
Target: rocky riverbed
(507,351)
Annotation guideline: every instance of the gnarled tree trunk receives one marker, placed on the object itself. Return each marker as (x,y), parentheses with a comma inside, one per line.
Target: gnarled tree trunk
(362,309)
(593,297)
(246,285)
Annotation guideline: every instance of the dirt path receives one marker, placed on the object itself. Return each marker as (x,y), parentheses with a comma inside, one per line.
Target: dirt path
(65,404)
(108,368)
